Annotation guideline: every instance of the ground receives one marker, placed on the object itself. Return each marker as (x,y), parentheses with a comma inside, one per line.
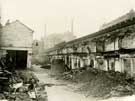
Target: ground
(65,91)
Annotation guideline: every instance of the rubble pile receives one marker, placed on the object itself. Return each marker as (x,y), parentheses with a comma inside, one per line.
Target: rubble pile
(72,75)
(100,83)
(21,86)
(121,90)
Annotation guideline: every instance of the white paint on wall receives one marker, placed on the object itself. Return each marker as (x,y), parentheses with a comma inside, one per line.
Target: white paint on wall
(118,66)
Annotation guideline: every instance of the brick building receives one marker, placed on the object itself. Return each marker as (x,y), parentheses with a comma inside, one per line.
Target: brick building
(111,48)
(16,42)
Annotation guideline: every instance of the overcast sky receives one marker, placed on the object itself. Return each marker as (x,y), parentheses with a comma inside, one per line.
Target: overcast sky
(88,15)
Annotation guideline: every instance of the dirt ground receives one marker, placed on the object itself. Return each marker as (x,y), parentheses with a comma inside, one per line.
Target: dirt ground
(65,91)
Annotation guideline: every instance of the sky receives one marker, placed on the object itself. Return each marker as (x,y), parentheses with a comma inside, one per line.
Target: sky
(57,15)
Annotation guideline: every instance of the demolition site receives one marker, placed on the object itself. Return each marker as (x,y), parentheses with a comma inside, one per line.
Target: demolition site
(96,67)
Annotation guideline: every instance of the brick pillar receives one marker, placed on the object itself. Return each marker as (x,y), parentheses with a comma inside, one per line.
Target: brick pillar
(122,65)
(81,62)
(65,59)
(72,62)
(132,67)
(77,62)
(29,56)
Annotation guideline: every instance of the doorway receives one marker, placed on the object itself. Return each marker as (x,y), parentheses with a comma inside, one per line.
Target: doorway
(19,58)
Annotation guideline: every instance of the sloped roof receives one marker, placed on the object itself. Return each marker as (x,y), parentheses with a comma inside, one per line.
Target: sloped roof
(17,21)
(123,21)
(129,15)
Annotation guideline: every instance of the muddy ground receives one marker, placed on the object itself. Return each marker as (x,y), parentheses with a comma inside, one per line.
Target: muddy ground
(61,90)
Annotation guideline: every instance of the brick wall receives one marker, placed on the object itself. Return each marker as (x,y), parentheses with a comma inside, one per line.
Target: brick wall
(16,35)
(109,46)
(129,41)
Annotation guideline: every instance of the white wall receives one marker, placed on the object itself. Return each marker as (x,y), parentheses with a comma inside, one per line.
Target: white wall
(16,35)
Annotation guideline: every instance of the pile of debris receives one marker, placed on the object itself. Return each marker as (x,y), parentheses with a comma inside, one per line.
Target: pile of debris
(121,90)
(72,74)
(20,85)
(100,83)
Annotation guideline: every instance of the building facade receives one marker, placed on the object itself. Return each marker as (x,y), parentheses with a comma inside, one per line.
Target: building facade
(16,42)
(111,48)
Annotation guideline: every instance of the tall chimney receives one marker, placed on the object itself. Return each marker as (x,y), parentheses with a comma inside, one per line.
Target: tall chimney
(44,36)
(72,26)
(45,31)
(0,14)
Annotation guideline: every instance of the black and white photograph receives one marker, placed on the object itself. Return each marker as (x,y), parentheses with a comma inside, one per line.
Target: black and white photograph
(67,50)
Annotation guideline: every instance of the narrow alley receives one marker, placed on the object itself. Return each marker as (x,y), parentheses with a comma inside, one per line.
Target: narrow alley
(64,91)
(61,90)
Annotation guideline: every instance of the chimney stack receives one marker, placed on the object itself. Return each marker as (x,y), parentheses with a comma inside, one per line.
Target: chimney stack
(72,26)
